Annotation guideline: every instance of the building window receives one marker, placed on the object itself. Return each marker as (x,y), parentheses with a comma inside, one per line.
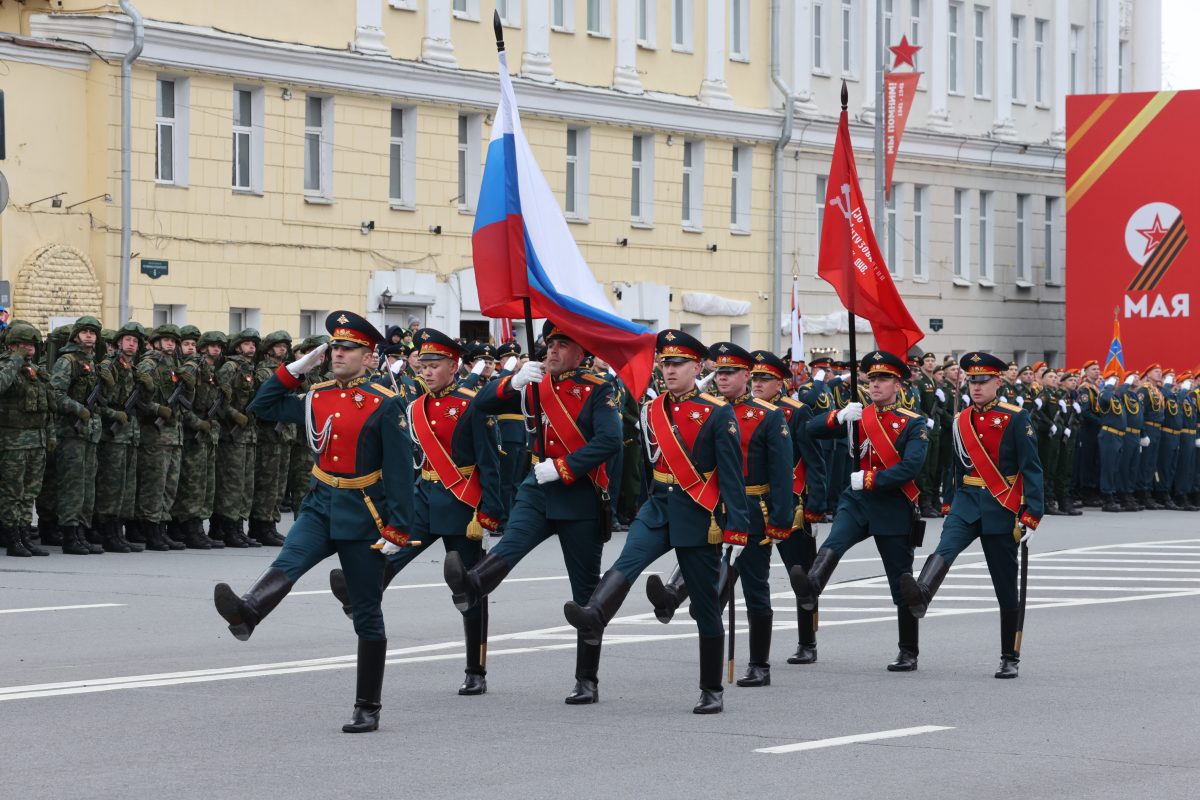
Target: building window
(466,9)
(953,49)
(469,127)
(889,12)
(961,268)
(893,216)
(1122,66)
(402,162)
(819,202)
(1053,262)
(598,14)
(1075,73)
(1039,61)
(740,335)
(318,146)
(242,318)
(170,122)
(818,33)
(981,53)
(682,24)
(312,323)
(692,204)
(919,270)
(1018,63)
(914,30)
(1024,244)
(739,30)
(562,16)
(641,194)
(986,245)
(169,315)
(740,187)
(243,135)
(578,140)
(646,36)
(849,39)
(510,12)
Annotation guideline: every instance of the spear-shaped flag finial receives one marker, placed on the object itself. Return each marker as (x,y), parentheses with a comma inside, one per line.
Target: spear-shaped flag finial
(499,31)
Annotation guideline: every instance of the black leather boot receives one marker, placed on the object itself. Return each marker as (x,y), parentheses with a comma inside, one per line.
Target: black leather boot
(238,529)
(274,537)
(372,655)
(215,541)
(244,613)
(809,585)
(134,534)
(468,585)
(110,536)
(14,545)
(24,535)
(906,660)
(712,695)
(806,647)
(587,667)
(590,620)
(1110,504)
(337,585)
(1147,500)
(1067,505)
(666,597)
(918,593)
(193,535)
(124,529)
(1166,502)
(1009,658)
(475,680)
(154,537)
(758,671)
(48,533)
(167,529)
(73,543)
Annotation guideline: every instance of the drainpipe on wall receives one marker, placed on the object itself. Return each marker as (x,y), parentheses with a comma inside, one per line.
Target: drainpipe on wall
(139,37)
(785,136)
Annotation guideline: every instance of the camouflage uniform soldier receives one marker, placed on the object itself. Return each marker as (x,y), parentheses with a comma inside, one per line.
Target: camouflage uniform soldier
(26,433)
(275,440)
(300,461)
(235,449)
(116,457)
(197,464)
(47,499)
(78,394)
(162,437)
(931,399)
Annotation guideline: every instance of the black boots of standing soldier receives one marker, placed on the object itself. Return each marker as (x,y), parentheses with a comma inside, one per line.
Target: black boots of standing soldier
(74,543)
(758,671)
(372,655)
(712,695)
(16,543)
(230,531)
(468,585)
(591,620)
(245,612)
(808,585)
(919,592)
(475,680)
(666,597)
(1010,658)
(906,659)
(587,667)
(263,531)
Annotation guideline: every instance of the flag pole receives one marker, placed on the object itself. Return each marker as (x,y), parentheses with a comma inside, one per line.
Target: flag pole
(530,339)
(851,319)
(881,50)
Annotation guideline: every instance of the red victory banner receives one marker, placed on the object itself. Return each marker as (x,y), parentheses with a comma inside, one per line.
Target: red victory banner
(1130,200)
(898,92)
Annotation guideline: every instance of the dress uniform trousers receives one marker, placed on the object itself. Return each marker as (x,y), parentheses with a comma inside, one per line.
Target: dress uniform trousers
(1148,463)
(1109,445)
(1000,550)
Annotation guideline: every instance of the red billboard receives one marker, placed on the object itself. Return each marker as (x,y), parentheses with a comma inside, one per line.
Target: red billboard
(1133,188)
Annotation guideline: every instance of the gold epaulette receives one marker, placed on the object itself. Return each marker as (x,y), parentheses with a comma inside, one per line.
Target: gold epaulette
(467,392)
(322,385)
(1010,407)
(712,398)
(765,404)
(592,377)
(383,390)
(906,412)
(790,402)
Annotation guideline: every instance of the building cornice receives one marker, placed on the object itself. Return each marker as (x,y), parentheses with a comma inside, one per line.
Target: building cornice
(43,53)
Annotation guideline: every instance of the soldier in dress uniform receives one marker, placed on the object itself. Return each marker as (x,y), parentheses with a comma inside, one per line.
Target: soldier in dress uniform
(880,501)
(514,438)
(1151,398)
(362,491)
(1111,412)
(1071,422)
(926,389)
(27,431)
(1088,461)
(1134,442)
(566,494)
(698,502)
(1046,417)
(1000,485)
(1182,477)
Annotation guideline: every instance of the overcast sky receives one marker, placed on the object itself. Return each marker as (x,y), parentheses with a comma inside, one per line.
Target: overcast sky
(1181,48)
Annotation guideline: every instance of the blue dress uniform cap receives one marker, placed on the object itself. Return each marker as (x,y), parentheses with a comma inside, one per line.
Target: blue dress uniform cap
(477,350)
(508,349)
(398,349)
(729,357)
(673,345)
(820,362)
(347,329)
(881,362)
(552,331)
(769,364)
(432,344)
(982,366)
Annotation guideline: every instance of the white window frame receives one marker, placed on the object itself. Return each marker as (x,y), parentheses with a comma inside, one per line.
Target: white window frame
(954,31)
(1074,72)
(312,322)
(175,127)
(916,14)
(252,135)
(642,174)
(465,9)
(562,16)
(986,238)
(739,30)
(1024,231)
(644,24)
(324,143)
(741,188)
(169,314)
(402,154)
(981,63)
(889,15)
(403,5)
(820,31)
(578,168)
(691,206)
(920,233)
(510,12)
(602,17)
(242,317)
(819,202)
(1122,66)
(683,25)
(848,17)
(1018,60)
(1052,231)
(1040,96)
(469,143)
(960,240)
(894,214)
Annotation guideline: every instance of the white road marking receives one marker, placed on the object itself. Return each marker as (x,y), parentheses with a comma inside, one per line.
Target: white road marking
(858,738)
(60,608)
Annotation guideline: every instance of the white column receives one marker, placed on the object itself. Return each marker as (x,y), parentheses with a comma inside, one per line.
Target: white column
(870,60)
(1147,47)
(1062,66)
(436,47)
(368,28)
(1002,125)
(938,63)
(1109,49)
(535,60)
(799,47)
(625,75)
(713,91)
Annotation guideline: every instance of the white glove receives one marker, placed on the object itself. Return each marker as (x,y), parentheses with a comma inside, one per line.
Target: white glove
(307,362)
(510,364)
(820,376)
(386,547)
(966,400)
(1129,380)
(1169,380)
(479,367)
(735,550)
(1020,382)
(1020,400)
(1075,405)
(1037,401)
(1066,433)
(940,395)
(845,376)
(1198,442)
(852,412)
(532,372)
(1112,381)
(929,423)
(1053,429)
(1029,532)
(398,366)
(1186,385)
(856,480)
(1003,398)
(545,472)
(1063,405)
(1144,441)
(702,383)
(650,393)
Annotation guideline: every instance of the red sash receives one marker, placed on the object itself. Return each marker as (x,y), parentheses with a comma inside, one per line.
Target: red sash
(468,490)
(568,432)
(885,448)
(1008,496)
(704,492)
(798,478)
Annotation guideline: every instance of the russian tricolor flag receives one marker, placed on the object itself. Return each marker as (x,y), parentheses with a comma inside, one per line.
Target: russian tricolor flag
(522,248)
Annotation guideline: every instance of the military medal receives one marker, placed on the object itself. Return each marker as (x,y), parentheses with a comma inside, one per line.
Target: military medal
(358,399)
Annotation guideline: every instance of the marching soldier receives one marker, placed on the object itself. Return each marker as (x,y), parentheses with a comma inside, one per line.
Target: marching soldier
(880,501)
(116,480)
(697,503)
(566,493)
(999,485)
(235,448)
(27,432)
(273,442)
(201,431)
(362,492)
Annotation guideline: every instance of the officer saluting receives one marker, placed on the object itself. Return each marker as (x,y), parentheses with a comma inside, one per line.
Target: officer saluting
(880,501)
(999,484)
(361,490)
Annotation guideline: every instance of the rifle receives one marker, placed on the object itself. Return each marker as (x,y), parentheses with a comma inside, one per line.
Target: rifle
(214,411)
(93,399)
(131,404)
(174,401)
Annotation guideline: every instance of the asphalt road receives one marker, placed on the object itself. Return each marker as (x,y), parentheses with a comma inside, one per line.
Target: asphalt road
(118,680)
